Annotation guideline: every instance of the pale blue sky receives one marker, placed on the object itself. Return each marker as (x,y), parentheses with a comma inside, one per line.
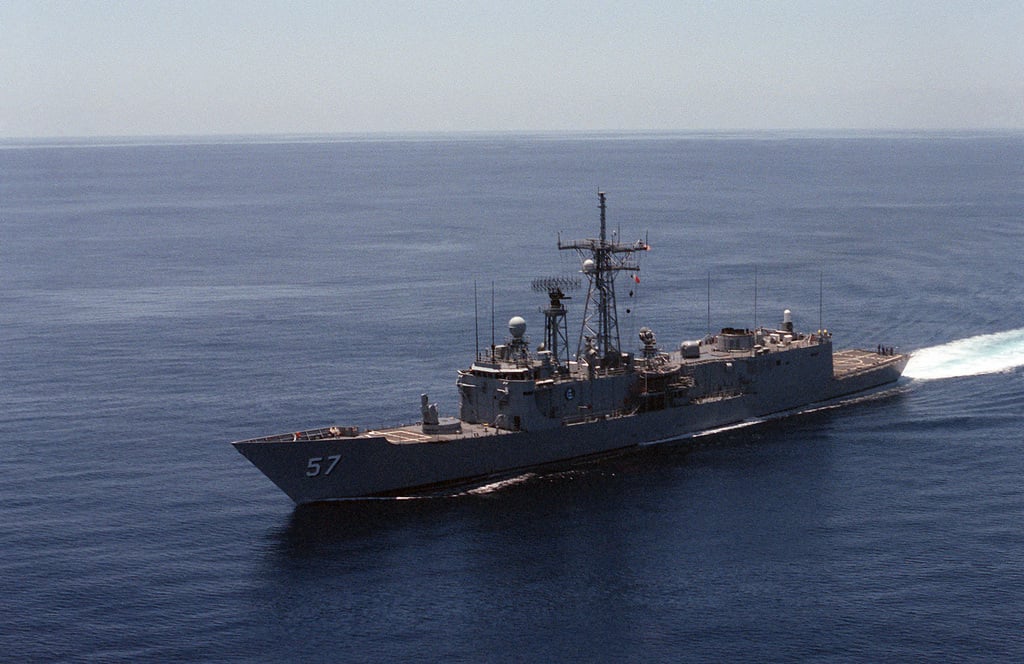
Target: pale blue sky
(90,68)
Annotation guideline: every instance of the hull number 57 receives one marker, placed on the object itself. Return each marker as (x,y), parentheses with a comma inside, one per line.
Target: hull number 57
(321,466)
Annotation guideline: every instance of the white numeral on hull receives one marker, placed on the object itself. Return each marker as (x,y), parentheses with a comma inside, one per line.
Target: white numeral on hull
(314,465)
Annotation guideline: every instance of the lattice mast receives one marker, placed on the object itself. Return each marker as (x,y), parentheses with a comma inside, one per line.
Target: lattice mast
(556,329)
(602,261)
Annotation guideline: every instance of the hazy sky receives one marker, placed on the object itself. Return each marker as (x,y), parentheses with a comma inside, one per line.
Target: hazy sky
(86,68)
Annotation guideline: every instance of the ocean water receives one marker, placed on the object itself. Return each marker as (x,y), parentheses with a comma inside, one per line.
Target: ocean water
(159,299)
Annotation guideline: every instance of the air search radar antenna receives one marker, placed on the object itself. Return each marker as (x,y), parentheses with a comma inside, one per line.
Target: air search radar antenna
(556,330)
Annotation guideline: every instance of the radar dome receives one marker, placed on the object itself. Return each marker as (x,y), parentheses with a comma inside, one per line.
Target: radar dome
(588,266)
(517,327)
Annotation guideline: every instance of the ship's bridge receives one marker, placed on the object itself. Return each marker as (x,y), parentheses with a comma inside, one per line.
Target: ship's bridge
(500,371)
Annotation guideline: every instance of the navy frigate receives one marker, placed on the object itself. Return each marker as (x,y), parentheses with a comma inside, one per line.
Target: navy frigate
(522,409)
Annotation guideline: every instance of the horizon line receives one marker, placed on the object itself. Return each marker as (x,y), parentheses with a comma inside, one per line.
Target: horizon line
(421,134)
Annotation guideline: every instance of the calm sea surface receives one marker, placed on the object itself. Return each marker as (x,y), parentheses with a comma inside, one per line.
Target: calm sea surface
(160,299)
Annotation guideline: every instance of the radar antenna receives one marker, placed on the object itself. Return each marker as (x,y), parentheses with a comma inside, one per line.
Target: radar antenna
(556,330)
(602,260)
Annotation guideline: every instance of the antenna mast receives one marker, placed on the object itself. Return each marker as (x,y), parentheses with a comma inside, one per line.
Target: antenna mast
(709,303)
(821,297)
(602,260)
(556,330)
(755,297)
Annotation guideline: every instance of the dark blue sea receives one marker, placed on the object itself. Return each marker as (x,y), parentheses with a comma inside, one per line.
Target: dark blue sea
(161,298)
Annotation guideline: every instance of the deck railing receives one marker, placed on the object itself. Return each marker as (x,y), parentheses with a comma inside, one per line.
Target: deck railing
(324,433)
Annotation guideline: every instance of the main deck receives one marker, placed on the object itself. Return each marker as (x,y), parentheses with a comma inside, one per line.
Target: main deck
(404,434)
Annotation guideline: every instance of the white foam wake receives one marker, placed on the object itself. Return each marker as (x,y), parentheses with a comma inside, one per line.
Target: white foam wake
(499,485)
(987,353)
(730,427)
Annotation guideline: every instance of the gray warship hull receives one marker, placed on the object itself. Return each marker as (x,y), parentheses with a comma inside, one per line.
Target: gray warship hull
(521,409)
(316,465)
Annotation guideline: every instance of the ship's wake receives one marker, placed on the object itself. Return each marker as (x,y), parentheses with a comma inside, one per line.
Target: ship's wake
(983,354)
(492,487)
(731,427)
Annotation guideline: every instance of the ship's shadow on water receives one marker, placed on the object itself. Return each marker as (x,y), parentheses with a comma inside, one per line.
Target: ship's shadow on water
(321,527)
(313,526)
(656,470)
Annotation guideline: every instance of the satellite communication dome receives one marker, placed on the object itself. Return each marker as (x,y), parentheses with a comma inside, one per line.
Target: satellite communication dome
(588,266)
(517,327)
